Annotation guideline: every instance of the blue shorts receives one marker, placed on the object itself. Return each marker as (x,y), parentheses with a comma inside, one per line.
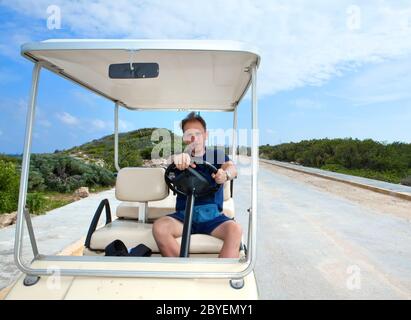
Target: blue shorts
(203,227)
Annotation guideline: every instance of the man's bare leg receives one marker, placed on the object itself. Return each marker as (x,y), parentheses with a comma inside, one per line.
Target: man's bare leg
(230,232)
(165,232)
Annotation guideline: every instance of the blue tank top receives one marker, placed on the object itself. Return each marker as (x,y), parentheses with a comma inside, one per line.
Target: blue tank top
(216,157)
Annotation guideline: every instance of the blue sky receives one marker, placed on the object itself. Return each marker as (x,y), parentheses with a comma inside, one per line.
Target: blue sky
(336,69)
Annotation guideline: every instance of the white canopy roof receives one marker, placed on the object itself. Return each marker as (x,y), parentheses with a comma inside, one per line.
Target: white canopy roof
(193,74)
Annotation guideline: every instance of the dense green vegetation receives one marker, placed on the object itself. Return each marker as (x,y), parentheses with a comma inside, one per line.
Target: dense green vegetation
(49,174)
(62,173)
(9,186)
(366,158)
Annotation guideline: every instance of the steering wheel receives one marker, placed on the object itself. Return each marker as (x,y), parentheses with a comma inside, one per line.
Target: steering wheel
(189,181)
(192,184)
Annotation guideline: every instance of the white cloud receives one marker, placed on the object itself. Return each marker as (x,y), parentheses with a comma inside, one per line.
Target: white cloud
(124,125)
(388,82)
(302,43)
(67,118)
(15,32)
(45,123)
(307,104)
(41,117)
(98,124)
(10,43)
(85,98)
(88,125)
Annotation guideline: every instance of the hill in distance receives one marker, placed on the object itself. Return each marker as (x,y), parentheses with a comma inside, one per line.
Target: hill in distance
(134,146)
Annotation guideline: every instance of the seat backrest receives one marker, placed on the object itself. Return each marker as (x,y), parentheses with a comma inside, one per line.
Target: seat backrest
(141,184)
(227,190)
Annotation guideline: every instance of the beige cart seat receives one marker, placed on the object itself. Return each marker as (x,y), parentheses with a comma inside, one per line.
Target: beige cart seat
(139,187)
(133,232)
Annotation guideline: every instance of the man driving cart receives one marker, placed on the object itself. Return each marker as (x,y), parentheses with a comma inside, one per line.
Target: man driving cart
(207,217)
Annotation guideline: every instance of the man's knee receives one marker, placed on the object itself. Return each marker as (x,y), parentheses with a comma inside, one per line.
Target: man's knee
(234,231)
(161,228)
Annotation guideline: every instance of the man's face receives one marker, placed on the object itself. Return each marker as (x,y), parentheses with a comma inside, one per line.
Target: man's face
(194,135)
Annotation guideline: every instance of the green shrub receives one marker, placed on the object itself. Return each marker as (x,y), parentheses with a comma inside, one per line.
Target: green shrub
(8,202)
(62,173)
(9,187)
(146,153)
(36,180)
(7,158)
(129,155)
(36,203)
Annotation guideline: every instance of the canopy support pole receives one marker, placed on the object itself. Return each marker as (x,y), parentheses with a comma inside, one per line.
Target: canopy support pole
(235,126)
(24,178)
(252,225)
(31,233)
(116,137)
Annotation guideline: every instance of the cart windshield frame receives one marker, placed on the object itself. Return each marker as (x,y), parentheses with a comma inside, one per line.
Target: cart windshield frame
(23,217)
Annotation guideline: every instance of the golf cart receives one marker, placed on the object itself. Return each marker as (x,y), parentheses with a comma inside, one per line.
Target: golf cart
(146,75)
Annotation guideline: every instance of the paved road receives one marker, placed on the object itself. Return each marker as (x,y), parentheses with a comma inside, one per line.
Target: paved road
(380,186)
(317,245)
(312,244)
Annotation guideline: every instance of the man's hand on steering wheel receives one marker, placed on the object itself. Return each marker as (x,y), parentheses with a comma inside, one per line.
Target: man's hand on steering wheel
(187,181)
(183,161)
(220,176)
